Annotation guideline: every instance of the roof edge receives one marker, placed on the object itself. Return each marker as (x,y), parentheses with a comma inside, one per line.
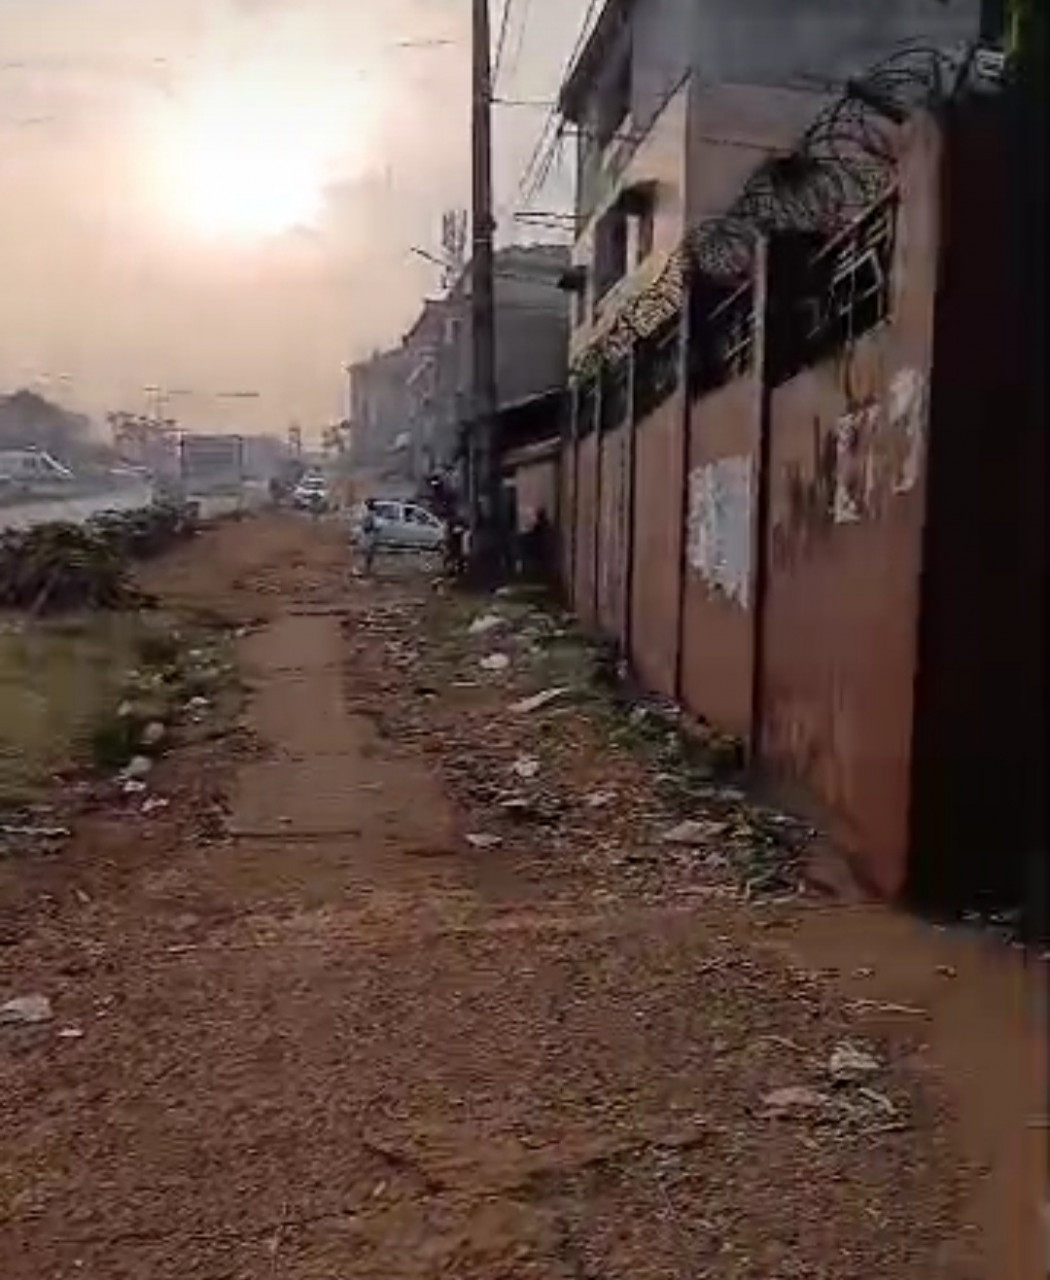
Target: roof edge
(579,74)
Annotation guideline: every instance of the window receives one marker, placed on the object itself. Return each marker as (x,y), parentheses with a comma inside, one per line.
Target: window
(836,293)
(579,305)
(610,251)
(615,387)
(388,511)
(722,341)
(656,359)
(646,232)
(586,407)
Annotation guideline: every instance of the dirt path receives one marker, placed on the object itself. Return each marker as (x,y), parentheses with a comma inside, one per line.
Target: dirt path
(327,1038)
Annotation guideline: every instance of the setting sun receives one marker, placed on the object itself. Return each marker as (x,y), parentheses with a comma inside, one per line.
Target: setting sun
(250,157)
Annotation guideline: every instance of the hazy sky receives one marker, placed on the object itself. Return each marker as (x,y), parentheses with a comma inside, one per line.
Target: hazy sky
(217,195)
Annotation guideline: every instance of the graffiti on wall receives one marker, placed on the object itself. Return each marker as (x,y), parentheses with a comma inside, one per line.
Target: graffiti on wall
(855,436)
(718,546)
(871,454)
(878,449)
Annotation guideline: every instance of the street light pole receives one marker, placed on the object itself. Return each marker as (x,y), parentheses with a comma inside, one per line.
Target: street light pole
(482,468)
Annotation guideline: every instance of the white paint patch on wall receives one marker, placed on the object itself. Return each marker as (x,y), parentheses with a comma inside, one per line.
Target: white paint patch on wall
(907,427)
(719,529)
(879,450)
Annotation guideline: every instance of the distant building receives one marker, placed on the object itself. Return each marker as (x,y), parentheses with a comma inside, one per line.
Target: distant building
(379,408)
(408,404)
(532,330)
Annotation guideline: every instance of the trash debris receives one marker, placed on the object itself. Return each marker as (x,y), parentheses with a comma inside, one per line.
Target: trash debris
(153,734)
(71,1033)
(526,767)
(154,804)
(538,701)
(495,662)
(518,807)
(137,768)
(947,971)
(35,833)
(880,1006)
(25,1011)
(850,1064)
(485,623)
(478,840)
(695,833)
(133,787)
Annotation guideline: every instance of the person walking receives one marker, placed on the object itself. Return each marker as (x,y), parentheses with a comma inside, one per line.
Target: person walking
(369,536)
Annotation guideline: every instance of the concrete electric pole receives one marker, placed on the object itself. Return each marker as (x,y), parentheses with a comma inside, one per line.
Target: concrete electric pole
(483,468)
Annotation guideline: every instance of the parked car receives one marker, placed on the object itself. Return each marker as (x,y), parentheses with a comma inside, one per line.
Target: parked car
(401,526)
(310,494)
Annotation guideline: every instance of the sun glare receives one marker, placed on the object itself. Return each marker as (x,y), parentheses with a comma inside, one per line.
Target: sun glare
(250,159)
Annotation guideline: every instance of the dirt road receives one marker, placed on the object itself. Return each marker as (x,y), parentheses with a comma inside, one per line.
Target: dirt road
(398,986)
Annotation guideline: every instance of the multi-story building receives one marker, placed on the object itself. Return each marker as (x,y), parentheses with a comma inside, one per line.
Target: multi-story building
(795,411)
(674,102)
(379,409)
(532,330)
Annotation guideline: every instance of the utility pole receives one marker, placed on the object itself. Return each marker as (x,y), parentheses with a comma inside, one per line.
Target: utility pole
(483,471)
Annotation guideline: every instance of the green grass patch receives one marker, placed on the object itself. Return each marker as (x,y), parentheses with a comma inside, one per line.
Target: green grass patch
(58,678)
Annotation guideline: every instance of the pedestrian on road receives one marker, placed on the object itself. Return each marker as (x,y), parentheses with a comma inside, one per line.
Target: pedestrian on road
(369,536)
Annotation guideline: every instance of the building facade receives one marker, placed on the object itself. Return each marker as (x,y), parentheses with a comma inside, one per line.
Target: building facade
(380,409)
(410,405)
(768,496)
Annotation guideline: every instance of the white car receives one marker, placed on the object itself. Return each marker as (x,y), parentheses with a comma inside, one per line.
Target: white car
(400,526)
(310,492)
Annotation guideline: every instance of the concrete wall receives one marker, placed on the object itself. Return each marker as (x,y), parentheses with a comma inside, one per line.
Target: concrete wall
(980,752)
(844,553)
(777,42)
(657,547)
(536,485)
(613,531)
(718,606)
(585,532)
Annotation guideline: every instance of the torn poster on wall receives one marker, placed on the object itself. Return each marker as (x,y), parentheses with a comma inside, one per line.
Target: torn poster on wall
(719,529)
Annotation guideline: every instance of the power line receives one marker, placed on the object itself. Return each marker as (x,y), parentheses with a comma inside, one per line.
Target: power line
(548,140)
(501,41)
